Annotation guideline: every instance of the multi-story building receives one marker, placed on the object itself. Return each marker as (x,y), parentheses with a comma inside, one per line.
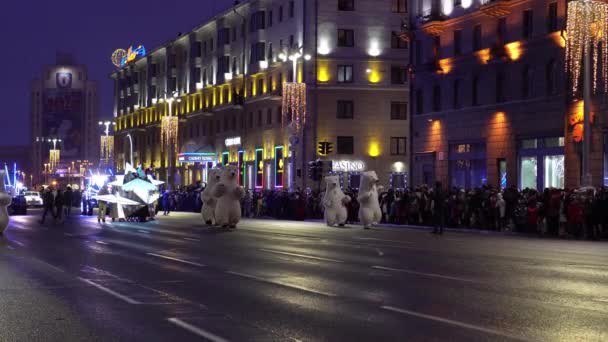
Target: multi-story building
(491,99)
(64,110)
(224,80)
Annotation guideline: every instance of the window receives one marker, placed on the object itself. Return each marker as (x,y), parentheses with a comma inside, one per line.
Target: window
(346,38)
(418,47)
(419,101)
(550,78)
(528,23)
(477,37)
(291,9)
(223,64)
(456,95)
(526,86)
(552,17)
(281,14)
(397,42)
(399,6)
(398,75)
(436,48)
(260,86)
(345,73)
(270,53)
(398,110)
(258,21)
(269,116)
(457,43)
(270,18)
(346,5)
(233,34)
(258,52)
(346,145)
(475,91)
(269,83)
(501,30)
(398,146)
(223,36)
(345,109)
(500,87)
(291,41)
(259,118)
(436,98)
(280,115)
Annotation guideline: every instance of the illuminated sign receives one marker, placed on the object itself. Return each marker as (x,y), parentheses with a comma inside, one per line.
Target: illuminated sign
(196,157)
(120,57)
(236,141)
(259,168)
(348,165)
(279,165)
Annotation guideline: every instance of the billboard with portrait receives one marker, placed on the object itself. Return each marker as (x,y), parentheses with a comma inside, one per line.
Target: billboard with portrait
(62,119)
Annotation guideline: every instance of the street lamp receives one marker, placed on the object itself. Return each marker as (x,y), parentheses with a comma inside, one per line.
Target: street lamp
(107,144)
(169,129)
(587,32)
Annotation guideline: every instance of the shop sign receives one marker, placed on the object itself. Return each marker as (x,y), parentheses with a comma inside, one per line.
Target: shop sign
(196,157)
(348,165)
(235,141)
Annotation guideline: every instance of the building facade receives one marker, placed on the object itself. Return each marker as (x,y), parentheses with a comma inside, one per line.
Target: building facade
(491,98)
(230,83)
(64,111)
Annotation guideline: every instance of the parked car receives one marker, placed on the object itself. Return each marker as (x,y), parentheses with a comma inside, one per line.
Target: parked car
(33,199)
(18,206)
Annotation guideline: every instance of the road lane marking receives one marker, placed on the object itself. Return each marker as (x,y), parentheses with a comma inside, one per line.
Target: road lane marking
(454,323)
(300,255)
(380,253)
(11,247)
(19,243)
(144,231)
(284,284)
(196,330)
(110,292)
(192,239)
(101,242)
(433,275)
(383,240)
(176,259)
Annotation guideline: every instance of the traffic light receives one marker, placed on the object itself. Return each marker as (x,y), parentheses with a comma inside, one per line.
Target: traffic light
(324,148)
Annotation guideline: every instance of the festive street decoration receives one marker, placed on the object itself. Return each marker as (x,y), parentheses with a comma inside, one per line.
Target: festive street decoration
(5,201)
(54,157)
(107,148)
(168,130)
(587,30)
(294,104)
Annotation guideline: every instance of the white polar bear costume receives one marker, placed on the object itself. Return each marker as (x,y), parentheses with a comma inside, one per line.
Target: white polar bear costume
(209,202)
(369,206)
(334,202)
(228,194)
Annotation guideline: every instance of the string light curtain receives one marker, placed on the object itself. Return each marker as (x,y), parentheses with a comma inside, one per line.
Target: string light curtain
(107,147)
(587,26)
(168,130)
(54,157)
(294,102)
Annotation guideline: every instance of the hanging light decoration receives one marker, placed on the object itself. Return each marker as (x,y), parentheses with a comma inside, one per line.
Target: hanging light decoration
(168,130)
(587,27)
(54,157)
(107,147)
(294,104)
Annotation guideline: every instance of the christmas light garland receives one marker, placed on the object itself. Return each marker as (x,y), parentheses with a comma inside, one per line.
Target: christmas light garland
(54,157)
(587,26)
(168,128)
(107,147)
(294,102)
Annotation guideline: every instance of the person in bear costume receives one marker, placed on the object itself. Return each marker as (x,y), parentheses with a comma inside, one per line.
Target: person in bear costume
(228,194)
(335,202)
(369,206)
(209,202)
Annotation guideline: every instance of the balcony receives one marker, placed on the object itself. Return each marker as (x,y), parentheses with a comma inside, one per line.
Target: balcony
(432,22)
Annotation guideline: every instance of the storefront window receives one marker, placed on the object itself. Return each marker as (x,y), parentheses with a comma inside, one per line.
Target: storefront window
(468,165)
(554,171)
(528,172)
(529,143)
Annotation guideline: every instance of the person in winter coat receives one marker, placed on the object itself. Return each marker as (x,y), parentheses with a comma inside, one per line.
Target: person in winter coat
(439,204)
(501,208)
(48,202)
(59,205)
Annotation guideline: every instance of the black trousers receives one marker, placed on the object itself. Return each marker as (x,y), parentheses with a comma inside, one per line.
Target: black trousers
(47,210)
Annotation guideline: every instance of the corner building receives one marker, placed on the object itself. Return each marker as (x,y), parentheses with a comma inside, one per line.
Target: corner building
(228,74)
(491,99)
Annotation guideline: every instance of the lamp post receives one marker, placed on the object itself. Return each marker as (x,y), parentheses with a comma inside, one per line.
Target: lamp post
(107,144)
(587,30)
(294,104)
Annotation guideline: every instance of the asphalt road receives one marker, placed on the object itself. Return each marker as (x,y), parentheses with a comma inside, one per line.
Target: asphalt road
(176,280)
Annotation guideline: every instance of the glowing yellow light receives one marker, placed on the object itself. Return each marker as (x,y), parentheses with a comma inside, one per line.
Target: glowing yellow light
(323,74)
(445,65)
(374,149)
(558,39)
(514,50)
(483,55)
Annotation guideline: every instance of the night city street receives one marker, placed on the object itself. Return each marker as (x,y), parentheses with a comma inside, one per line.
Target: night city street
(175,279)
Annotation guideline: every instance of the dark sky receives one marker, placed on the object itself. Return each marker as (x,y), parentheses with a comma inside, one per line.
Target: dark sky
(32,31)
